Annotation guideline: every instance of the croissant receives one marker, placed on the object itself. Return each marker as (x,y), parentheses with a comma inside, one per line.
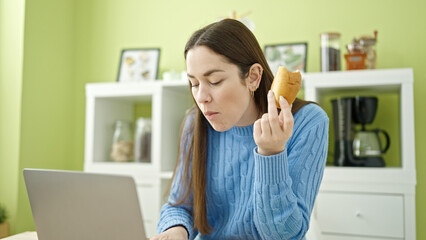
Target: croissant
(286,84)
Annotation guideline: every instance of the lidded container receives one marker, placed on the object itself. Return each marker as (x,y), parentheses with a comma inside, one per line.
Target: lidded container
(369,44)
(330,52)
(355,58)
(122,142)
(143,140)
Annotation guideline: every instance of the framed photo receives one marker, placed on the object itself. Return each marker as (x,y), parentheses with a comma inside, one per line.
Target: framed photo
(292,56)
(138,65)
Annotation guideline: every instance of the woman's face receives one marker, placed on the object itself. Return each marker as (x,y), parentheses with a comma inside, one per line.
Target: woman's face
(222,96)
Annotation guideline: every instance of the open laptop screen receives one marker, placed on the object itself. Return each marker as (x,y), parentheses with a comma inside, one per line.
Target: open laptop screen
(71,205)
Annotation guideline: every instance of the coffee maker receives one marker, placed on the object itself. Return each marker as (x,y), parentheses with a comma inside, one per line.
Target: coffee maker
(361,148)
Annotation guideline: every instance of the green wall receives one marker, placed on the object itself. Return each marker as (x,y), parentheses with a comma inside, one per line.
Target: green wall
(37,102)
(11,52)
(75,42)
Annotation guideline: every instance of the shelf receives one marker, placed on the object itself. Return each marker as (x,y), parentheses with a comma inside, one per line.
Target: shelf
(395,114)
(384,80)
(367,175)
(106,112)
(166,103)
(176,84)
(387,118)
(393,87)
(361,78)
(124,90)
(166,175)
(123,168)
(110,164)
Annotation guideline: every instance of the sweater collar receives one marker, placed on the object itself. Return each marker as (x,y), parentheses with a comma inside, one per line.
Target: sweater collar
(239,131)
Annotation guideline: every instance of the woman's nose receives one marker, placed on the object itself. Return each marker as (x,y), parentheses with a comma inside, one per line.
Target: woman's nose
(203,94)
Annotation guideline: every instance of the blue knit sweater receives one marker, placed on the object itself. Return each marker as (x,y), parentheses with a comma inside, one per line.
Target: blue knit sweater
(250,196)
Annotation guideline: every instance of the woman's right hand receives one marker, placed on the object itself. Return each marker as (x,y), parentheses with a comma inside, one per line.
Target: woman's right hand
(173,233)
(272,131)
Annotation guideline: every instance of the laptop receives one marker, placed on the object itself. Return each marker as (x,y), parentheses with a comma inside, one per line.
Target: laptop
(70,205)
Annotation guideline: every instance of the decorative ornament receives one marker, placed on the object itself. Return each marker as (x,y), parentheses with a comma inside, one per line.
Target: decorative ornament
(243,19)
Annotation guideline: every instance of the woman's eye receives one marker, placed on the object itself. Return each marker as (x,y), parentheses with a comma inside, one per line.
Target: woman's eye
(216,83)
(193,84)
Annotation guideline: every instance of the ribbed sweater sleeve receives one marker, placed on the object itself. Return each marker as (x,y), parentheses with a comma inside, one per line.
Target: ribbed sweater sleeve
(286,184)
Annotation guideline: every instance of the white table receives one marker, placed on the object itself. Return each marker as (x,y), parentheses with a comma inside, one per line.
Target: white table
(23,236)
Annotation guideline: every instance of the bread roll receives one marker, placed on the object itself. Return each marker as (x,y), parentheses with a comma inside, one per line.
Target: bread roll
(286,84)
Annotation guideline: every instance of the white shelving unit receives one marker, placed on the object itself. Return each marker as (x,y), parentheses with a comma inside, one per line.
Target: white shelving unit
(369,203)
(353,203)
(109,102)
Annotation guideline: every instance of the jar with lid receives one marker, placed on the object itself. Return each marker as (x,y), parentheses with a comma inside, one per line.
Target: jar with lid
(143,140)
(369,45)
(355,58)
(122,142)
(330,52)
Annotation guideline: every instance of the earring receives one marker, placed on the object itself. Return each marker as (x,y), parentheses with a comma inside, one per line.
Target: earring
(252,92)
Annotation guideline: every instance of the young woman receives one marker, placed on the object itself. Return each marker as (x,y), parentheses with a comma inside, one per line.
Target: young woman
(245,170)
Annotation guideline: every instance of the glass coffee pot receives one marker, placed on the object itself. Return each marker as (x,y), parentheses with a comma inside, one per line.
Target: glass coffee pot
(367,143)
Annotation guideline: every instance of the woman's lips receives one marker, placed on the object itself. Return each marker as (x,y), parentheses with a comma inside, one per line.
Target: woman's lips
(210,115)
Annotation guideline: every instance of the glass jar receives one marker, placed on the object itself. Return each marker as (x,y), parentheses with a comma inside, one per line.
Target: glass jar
(355,58)
(122,142)
(369,45)
(143,140)
(330,52)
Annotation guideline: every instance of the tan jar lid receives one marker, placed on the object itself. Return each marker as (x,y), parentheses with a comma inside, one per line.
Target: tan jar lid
(330,34)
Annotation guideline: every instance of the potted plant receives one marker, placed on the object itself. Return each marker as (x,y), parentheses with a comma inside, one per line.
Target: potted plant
(4,226)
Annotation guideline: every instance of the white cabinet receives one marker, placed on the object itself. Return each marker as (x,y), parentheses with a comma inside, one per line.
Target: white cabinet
(347,213)
(354,203)
(167,103)
(369,203)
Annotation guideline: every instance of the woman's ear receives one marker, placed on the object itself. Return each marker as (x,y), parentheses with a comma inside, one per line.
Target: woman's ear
(254,76)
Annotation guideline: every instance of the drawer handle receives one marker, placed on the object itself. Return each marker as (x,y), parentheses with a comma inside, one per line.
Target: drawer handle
(358,214)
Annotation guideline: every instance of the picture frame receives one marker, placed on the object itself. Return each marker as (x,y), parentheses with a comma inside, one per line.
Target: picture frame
(139,64)
(290,55)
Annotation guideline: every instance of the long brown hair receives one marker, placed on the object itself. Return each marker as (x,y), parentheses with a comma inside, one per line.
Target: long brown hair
(238,44)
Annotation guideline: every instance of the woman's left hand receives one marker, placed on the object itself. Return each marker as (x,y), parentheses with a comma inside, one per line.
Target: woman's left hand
(272,131)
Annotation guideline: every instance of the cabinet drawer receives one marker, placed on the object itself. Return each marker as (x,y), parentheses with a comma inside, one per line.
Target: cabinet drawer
(346,237)
(361,214)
